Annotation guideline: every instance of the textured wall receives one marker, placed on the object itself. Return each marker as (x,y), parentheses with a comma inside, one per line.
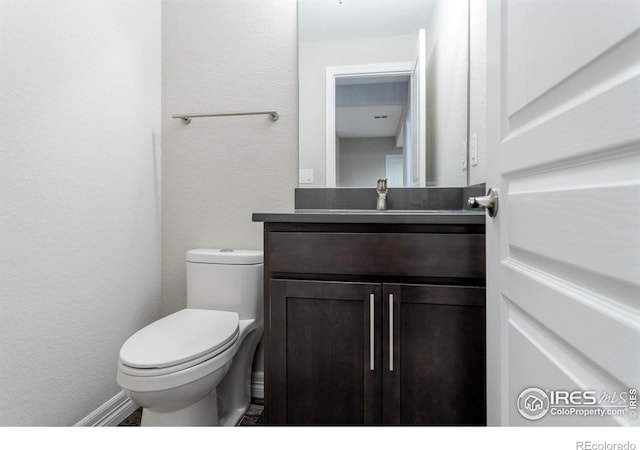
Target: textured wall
(79,200)
(478,88)
(220,56)
(447,70)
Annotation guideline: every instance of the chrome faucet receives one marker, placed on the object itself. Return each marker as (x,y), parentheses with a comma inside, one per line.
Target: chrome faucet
(382,190)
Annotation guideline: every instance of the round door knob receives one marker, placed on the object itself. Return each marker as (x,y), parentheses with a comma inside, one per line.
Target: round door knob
(488,202)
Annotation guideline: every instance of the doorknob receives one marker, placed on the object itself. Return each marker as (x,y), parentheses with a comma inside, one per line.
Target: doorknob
(489,202)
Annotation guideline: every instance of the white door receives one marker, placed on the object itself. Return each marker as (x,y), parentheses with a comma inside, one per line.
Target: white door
(394,170)
(563,253)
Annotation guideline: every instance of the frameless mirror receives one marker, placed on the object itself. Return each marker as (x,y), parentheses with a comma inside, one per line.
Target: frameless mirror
(383,92)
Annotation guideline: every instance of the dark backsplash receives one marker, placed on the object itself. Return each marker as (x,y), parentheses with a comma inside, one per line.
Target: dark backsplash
(434,198)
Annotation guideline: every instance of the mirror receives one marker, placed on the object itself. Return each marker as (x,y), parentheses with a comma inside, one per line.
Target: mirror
(383,92)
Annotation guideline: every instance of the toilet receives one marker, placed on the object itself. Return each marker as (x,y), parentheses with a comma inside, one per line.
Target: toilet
(193,367)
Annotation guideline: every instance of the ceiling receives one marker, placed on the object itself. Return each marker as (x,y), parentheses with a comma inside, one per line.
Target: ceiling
(360,121)
(349,19)
(370,106)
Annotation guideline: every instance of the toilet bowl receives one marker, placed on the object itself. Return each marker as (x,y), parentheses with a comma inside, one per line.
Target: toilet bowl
(193,367)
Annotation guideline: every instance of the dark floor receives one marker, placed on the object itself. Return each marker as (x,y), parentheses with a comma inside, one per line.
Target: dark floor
(252,417)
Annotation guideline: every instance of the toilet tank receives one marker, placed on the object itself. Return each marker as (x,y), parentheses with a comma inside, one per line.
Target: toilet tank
(226,280)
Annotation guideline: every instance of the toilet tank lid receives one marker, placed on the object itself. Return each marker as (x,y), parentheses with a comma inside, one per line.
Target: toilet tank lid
(225,256)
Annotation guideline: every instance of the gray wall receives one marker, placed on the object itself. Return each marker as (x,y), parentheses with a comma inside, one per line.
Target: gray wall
(447,70)
(79,200)
(361,161)
(219,56)
(478,88)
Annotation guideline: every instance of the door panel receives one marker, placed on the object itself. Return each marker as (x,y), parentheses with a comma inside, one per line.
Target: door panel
(534,217)
(595,326)
(321,351)
(325,351)
(563,265)
(549,362)
(442,348)
(438,355)
(550,43)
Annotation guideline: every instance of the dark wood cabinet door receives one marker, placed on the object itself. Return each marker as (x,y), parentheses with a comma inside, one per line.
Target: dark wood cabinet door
(433,355)
(322,354)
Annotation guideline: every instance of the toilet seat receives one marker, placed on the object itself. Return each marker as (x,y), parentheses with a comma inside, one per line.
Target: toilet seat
(179,341)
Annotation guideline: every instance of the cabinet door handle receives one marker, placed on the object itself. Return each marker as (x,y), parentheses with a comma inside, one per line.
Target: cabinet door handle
(390,332)
(372,365)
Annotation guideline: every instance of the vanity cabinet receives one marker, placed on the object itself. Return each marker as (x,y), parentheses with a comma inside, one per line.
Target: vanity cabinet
(374,324)
(320,353)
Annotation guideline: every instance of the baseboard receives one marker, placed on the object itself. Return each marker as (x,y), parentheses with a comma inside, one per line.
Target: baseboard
(119,407)
(257,385)
(111,413)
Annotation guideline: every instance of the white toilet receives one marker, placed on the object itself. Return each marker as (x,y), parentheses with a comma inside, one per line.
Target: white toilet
(193,367)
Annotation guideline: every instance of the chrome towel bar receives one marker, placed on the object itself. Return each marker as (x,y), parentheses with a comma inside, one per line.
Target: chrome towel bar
(186,118)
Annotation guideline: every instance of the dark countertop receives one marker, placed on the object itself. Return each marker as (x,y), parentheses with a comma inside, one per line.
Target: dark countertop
(422,217)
